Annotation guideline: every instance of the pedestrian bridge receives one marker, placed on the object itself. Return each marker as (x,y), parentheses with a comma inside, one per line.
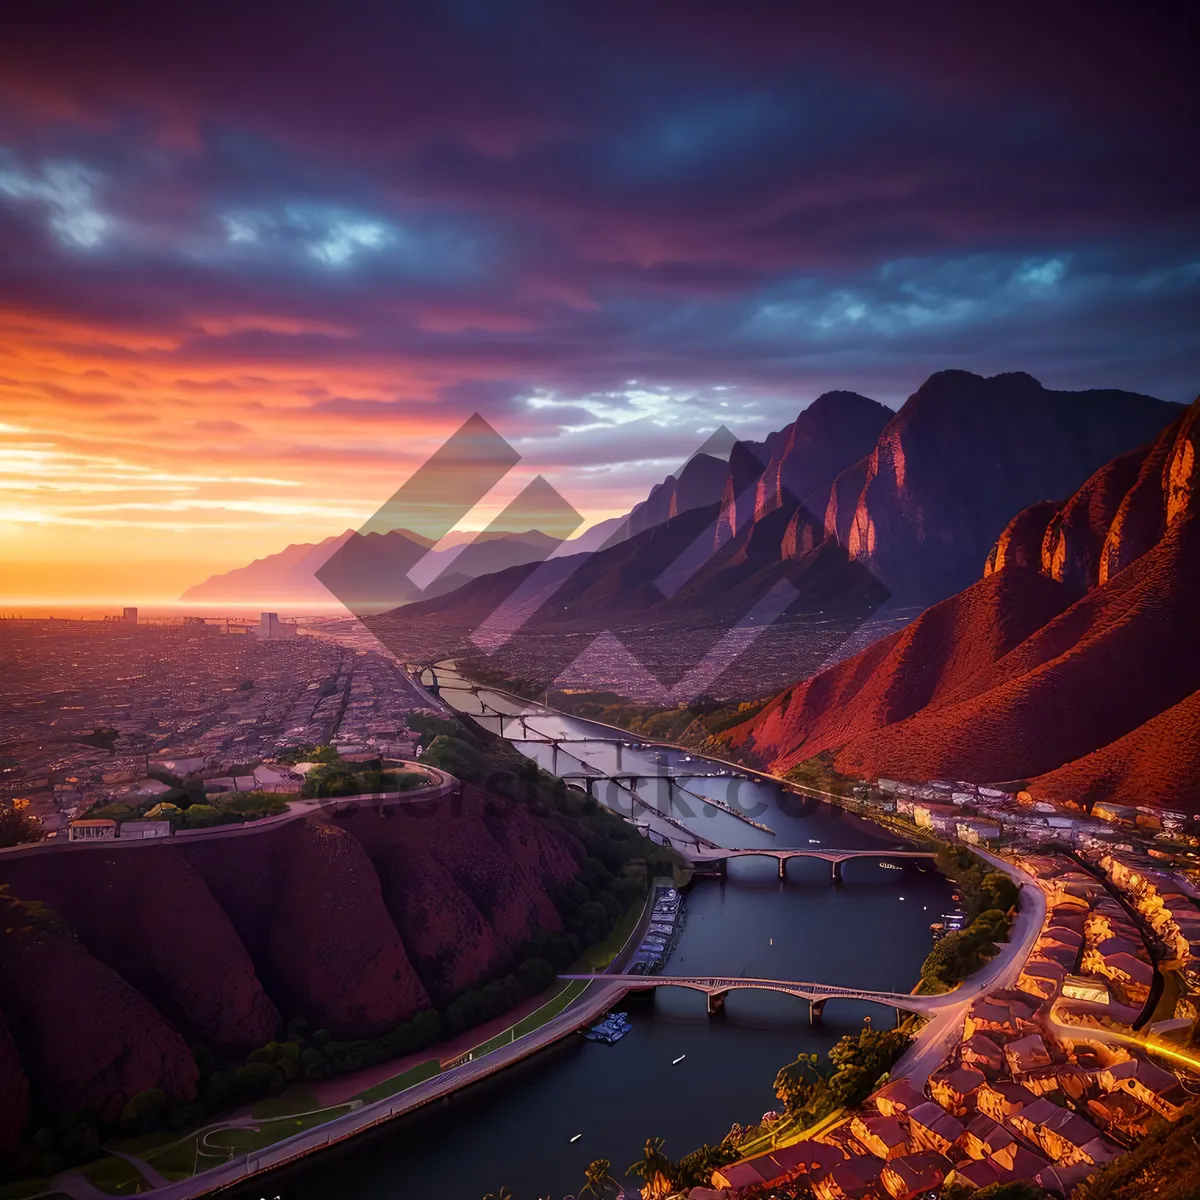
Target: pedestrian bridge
(719,857)
(716,988)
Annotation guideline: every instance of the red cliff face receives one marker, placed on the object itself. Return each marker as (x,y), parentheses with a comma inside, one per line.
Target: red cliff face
(541,851)
(89,1041)
(148,914)
(838,428)
(1020,545)
(1158,761)
(467,882)
(450,942)
(1141,517)
(1073,544)
(335,955)
(700,482)
(948,471)
(942,651)
(353,924)
(1076,669)
(514,902)
(14,1090)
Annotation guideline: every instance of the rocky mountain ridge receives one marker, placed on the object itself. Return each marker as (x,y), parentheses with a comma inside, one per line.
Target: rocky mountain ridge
(1072,665)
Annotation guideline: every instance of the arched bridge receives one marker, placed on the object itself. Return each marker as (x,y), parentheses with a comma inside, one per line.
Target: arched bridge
(720,856)
(716,988)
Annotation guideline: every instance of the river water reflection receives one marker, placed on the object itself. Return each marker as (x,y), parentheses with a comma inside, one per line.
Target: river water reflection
(872,931)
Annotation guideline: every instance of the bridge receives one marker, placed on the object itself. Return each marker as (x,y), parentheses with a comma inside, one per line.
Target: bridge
(720,856)
(716,988)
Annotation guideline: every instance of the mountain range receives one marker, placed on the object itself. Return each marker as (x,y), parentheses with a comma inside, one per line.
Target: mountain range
(1070,667)
(849,509)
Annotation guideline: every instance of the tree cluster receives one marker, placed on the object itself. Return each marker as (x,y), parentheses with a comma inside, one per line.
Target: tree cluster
(810,1090)
(962,952)
(981,885)
(226,808)
(18,825)
(356,779)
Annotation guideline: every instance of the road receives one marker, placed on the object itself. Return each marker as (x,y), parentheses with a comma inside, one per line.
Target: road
(944,1031)
(443,784)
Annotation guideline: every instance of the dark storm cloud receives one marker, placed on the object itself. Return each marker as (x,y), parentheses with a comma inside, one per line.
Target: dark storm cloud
(522,200)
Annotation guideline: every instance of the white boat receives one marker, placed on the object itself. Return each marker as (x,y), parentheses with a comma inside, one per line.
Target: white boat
(575,1138)
(677,1061)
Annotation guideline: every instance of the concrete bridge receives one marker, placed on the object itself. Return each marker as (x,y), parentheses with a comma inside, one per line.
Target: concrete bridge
(719,857)
(716,988)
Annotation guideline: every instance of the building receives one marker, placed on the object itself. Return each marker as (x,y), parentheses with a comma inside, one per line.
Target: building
(977,832)
(1153,1086)
(916,1175)
(933,1128)
(92,831)
(272,629)
(145,829)
(129,616)
(954,1087)
(884,1137)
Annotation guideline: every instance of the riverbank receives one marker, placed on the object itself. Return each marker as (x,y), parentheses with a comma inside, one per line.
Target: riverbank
(729,949)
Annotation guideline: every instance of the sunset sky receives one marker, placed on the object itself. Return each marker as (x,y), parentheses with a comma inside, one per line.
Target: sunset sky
(257,262)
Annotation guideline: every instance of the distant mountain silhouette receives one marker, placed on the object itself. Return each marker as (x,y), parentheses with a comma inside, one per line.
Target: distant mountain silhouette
(374,566)
(1072,666)
(289,576)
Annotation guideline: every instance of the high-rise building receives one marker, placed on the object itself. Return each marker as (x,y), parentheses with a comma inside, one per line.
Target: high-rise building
(129,616)
(272,629)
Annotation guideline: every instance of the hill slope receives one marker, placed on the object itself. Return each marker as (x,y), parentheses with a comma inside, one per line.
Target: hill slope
(1079,646)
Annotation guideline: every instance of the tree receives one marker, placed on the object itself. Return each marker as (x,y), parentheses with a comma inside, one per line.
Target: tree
(143,1111)
(598,1175)
(794,1083)
(1018,1190)
(654,1169)
(201,816)
(17,825)
(256,1078)
(535,975)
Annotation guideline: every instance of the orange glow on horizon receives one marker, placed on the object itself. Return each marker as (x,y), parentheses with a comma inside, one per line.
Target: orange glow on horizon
(133,465)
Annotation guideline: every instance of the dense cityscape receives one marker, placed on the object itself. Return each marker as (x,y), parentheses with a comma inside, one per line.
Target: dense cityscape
(112,711)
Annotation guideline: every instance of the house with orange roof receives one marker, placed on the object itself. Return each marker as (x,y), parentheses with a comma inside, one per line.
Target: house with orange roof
(1155,1087)
(954,1087)
(931,1126)
(916,1175)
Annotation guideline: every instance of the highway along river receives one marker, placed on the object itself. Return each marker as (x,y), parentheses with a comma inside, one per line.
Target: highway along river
(517,1128)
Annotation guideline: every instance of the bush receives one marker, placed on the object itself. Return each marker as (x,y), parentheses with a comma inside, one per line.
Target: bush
(201,816)
(961,953)
(259,1079)
(143,1112)
(251,806)
(17,825)
(535,975)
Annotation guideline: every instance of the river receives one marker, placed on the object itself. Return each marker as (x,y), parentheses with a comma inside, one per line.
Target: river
(516,1130)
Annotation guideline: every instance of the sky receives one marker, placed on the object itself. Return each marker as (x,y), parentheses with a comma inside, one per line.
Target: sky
(258,261)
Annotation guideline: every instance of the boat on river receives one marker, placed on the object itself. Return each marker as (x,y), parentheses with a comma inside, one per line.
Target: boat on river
(612,1029)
